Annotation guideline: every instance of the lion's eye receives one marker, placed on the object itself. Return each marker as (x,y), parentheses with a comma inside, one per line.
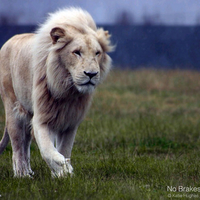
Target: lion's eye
(98,53)
(77,52)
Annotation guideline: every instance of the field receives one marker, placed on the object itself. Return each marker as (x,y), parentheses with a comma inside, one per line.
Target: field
(140,139)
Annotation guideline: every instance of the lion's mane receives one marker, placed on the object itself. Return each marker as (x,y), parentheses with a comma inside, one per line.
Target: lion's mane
(63,103)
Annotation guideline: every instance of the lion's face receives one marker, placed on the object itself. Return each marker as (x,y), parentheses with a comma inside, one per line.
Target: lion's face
(83,57)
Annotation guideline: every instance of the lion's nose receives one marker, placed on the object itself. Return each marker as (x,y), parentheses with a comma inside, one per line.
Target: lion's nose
(90,74)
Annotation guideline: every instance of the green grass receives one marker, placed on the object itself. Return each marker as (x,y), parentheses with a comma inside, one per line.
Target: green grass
(141,135)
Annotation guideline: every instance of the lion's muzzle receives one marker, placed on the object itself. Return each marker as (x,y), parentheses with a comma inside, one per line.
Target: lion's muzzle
(90,74)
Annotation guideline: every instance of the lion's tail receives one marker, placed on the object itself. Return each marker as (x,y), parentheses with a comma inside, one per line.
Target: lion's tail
(4,141)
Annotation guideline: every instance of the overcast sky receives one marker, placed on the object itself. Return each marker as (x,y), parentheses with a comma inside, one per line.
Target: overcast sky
(170,12)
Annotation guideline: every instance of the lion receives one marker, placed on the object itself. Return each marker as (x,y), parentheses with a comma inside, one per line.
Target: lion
(47,80)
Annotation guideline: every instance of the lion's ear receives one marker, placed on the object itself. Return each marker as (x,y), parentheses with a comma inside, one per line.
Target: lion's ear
(58,35)
(104,40)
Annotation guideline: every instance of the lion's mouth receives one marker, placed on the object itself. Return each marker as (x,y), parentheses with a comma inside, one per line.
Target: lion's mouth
(87,83)
(87,87)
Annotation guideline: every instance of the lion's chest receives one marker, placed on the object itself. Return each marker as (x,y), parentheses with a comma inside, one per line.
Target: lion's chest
(67,113)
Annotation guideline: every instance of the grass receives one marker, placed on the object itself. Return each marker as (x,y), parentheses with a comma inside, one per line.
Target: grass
(141,135)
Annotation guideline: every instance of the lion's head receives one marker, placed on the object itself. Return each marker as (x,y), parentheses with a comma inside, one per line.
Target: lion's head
(77,56)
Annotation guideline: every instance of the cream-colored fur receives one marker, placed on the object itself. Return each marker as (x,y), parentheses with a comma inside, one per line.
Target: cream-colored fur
(46,84)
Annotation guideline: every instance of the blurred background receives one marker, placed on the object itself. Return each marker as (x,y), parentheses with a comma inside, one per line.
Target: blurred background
(153,33)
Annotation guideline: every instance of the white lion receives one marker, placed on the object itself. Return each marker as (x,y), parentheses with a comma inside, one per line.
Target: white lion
(46,84)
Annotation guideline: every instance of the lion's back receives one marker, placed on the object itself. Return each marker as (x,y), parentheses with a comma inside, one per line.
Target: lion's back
(15,68)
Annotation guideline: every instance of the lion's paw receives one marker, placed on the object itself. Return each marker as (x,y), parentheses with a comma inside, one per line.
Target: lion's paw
(66,170)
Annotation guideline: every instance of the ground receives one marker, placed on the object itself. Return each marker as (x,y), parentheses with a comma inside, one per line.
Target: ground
(140,140)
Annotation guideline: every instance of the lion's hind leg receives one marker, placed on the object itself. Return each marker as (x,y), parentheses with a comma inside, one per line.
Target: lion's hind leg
(19,132)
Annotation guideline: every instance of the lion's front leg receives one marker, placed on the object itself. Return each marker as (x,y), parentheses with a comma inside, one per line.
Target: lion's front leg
(58,164)
(64,143)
